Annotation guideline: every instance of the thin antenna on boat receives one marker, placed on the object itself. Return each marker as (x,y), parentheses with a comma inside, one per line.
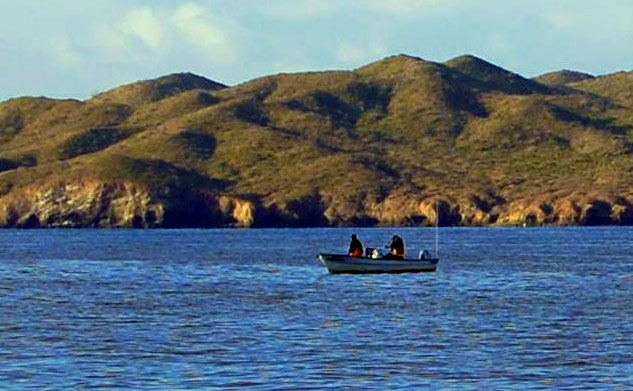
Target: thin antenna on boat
(437,234)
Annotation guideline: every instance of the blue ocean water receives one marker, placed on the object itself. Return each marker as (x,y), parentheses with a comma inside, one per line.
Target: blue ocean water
(508,309)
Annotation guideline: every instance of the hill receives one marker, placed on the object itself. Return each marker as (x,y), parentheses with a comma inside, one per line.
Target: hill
(383,144)
(562,78)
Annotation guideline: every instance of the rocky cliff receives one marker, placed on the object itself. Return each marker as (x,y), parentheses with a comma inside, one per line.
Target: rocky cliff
(119,204)
(130,205)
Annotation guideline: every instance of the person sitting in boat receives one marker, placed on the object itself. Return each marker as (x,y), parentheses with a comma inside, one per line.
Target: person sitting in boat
(396,248)
(355,248)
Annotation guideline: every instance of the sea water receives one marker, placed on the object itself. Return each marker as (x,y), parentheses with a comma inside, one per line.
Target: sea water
(508,308)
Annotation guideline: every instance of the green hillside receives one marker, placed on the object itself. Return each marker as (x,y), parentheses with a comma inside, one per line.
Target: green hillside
(379,145)
(562,78)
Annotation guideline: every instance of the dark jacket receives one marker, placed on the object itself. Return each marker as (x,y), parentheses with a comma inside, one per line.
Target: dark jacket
(397,247)
(355,247)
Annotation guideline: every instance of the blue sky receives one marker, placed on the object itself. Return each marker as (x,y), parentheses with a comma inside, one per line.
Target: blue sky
(75,48)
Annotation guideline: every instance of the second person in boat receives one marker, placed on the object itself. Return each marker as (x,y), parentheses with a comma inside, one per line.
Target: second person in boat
(396,248)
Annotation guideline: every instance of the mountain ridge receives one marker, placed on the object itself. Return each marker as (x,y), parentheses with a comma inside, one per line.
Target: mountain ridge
(387,143)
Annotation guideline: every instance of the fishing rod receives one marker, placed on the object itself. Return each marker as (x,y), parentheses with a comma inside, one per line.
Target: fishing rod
(437,234)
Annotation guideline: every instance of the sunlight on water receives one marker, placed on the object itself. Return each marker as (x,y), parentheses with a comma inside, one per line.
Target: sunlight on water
(530,309)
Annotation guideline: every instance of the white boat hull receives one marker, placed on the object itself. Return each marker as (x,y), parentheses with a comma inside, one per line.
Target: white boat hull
(338,264)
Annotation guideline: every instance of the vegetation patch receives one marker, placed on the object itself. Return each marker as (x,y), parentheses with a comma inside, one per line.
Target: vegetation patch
(165,176)
(606,124)
(305,211)
(204,98)
(198,143)
(345,106)
(91,141)
(340,113)
(250,111)
(22,161)
(10,125)
(377,164)
(369,96)
(381,134)
(6,165)
(495,77)
(464,100)
(562,78)
(178,82)
(556,141)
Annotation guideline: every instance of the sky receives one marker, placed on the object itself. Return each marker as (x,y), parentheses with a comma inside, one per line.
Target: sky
(77,48)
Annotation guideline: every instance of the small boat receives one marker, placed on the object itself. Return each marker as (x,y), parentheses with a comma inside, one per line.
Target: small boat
(374,262)
(341,263)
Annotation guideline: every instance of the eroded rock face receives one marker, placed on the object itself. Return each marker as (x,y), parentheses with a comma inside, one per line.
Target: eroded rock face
(94,203)
(575,210)
(86,204)
(488,210)
(242,212)
(124,204)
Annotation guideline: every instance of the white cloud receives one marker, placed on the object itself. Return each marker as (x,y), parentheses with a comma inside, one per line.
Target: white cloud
(138,29)
(143,24)
(188,29)
(63,53)
(410,7)
(205,32)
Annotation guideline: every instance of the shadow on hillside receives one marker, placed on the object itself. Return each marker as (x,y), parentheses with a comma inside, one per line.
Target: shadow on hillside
(304,211)
(251,111)
(23,161)
(345,107)
(198,143)
(92,140)
(605,124)
(169,178)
